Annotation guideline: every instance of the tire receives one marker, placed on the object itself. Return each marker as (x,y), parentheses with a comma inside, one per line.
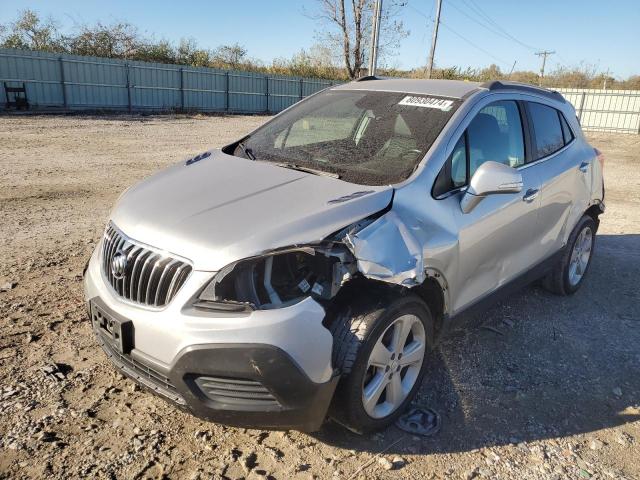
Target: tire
(356,331)
(561,280)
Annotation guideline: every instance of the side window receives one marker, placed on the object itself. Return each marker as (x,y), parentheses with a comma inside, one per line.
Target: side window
(495,134)
(566,130)
(459,163)
(547,129)
(454,172)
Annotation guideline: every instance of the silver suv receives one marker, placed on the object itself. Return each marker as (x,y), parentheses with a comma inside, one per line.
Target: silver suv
(308,268)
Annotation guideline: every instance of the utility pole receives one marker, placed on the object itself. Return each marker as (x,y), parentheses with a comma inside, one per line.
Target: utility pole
(432,52)
(375,37)
(606,77)
(544,54)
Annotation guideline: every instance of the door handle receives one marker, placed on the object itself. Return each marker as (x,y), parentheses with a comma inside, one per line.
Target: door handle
(584,167)
(531,195)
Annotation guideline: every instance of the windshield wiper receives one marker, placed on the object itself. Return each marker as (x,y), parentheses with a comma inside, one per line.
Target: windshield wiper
(293,166)
(247,151)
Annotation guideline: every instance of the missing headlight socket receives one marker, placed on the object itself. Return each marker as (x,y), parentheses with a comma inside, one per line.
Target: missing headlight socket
(281,279)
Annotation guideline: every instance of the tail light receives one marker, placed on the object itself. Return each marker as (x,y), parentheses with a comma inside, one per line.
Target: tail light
(600,157)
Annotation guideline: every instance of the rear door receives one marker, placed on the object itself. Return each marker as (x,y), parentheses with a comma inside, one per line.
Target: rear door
(561,168)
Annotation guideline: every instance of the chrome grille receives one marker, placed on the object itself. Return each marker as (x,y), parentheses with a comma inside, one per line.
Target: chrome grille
(149,277)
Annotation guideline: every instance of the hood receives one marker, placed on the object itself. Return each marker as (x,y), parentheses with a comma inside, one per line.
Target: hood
(223,208)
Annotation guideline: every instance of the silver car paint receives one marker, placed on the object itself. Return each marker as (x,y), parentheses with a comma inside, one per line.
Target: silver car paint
(492,178)
(160,335)
(388,251)
(223,209)
(443,88)
(478,252)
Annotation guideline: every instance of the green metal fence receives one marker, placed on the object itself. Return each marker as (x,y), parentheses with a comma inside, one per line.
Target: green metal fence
(73,82)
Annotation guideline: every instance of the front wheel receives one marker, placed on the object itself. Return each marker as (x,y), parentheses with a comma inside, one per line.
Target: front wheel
(381,351)
(568,274)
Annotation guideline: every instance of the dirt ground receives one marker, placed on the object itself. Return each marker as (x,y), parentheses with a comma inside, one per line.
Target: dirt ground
(538,387)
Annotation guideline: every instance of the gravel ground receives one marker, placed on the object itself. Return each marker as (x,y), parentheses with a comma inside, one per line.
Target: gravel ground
(538,387)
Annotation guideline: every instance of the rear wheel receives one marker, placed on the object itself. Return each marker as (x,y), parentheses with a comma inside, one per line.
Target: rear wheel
(381,350)
(568,274)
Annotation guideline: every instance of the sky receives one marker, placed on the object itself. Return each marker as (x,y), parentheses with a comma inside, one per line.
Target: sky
(603,34)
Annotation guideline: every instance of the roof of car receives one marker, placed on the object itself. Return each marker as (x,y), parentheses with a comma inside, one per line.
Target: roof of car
(443,88)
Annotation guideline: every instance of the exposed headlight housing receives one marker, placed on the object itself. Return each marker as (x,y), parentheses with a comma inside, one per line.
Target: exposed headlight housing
(279,279)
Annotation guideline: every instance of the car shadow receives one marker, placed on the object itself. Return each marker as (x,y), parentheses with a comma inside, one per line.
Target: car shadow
(534,366)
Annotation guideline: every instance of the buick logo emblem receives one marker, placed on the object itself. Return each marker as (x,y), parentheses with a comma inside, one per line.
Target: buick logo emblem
(119,264)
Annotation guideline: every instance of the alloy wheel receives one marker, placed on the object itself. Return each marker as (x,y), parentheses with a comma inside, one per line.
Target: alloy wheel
(393,366)
(580,256)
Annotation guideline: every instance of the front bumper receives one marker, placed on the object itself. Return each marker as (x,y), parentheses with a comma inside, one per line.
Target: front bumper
(245,385)
(280,358)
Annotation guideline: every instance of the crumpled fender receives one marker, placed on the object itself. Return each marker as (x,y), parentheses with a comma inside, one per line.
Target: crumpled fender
(388,251)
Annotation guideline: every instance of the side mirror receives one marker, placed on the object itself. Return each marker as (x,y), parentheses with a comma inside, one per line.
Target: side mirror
(491,178)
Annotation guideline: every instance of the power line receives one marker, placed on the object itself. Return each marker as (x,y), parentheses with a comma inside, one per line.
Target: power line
(419,12)
(500,30)
(427,18)
(479,22)
(504,62)
(473,44)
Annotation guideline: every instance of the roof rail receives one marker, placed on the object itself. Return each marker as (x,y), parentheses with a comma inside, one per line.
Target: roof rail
(366,78)
(501,85)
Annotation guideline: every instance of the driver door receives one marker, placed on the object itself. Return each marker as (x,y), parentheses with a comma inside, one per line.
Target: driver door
(498,238)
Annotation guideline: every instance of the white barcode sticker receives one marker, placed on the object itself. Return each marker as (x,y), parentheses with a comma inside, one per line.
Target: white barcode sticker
(427,102)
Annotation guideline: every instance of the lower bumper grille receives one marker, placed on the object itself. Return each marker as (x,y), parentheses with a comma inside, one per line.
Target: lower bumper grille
(236,391)
(143,374)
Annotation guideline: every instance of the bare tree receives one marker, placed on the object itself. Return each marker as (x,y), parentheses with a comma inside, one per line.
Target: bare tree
(118,40)
(30,32)
(231,55)
(349,28)
(188,53)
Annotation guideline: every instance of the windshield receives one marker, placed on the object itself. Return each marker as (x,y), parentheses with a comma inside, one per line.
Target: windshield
(364,137)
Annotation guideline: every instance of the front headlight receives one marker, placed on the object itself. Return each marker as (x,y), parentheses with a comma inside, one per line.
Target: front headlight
(279,279)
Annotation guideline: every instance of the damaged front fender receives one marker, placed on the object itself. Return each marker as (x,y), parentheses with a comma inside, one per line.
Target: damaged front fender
(382,248)
(388,251)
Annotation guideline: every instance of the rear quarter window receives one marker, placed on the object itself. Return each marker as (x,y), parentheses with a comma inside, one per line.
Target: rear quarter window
(547,130)
(566,130)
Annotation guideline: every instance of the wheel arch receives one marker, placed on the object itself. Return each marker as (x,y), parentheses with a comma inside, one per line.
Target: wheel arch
(594,211)
(433,291)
